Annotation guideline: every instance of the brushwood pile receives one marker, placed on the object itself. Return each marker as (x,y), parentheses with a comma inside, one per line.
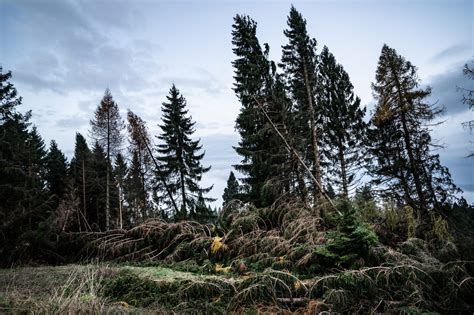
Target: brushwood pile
(284,259)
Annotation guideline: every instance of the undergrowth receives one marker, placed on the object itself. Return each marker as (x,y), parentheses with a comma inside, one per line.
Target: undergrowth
(281,259)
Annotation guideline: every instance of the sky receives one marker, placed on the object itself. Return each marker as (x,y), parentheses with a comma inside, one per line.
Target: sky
(63,54)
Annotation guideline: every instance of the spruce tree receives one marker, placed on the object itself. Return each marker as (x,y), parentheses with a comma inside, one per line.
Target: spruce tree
(265,161)
(81,174)
(97,184)
(180,155)
(299,63)
(107,127)
(343,123)
(232,190)
(56,171)
(24,202)
(401,141)
(203,213)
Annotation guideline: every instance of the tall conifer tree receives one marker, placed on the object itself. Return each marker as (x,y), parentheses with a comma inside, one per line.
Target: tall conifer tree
(97,184)
(299,63)
(232,190)
(24,201)
(107,127)
(265,160)
(141,170)
(343,123)
(80,172)
(56,171)
(180,155)
(400,139)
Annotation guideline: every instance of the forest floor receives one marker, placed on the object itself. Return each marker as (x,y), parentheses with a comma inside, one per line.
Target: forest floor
(262,261)
(83,288)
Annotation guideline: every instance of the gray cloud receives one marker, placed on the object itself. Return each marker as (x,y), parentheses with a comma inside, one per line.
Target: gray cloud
(445,88)
(68,49)
(73,122)
(221,155)
(201,79)
(452,52)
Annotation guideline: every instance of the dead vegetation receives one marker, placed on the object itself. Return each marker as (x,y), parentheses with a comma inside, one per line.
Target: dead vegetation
(279,259)
(283,259)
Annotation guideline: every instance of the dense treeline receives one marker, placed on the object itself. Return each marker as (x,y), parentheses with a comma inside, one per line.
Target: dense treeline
(305,102)
(311,101)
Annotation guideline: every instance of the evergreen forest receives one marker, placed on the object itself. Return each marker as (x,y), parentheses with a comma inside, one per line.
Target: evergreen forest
(332,208)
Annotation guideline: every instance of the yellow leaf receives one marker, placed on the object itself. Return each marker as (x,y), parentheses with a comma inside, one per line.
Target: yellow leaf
(220,268)
(217,245)
(297,284)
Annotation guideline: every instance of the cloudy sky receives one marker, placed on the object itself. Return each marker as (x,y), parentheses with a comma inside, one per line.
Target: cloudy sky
(64,54)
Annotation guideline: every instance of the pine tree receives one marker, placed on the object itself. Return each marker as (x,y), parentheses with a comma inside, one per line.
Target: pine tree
(179,154)
(81,175)
(343,123)
(232,190)
(107,127)
(56,171)
(400,140)
(299,63)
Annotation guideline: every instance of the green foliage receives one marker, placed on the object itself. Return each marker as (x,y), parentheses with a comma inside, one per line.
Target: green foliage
(25,204)
(56,170)
(440,229)
(350,242)
(180,157)
(400,140)
(412,221)
(232,190)
(344,127)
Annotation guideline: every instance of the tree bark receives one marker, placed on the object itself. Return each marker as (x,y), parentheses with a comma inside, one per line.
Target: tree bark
(408,145)
(84,187)
(107,188)
(314,139)
(343,164)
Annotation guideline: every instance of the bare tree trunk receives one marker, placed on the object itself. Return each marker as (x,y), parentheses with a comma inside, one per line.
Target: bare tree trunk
(314,140)
(120,206)
(342,162)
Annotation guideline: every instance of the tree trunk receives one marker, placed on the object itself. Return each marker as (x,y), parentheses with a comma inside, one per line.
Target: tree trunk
(120,206)
(84,188)
(343,164)
(416,176)
(314,140)
(107,188)
(408,145)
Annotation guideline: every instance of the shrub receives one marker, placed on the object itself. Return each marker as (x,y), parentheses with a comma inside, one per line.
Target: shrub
(349,243)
